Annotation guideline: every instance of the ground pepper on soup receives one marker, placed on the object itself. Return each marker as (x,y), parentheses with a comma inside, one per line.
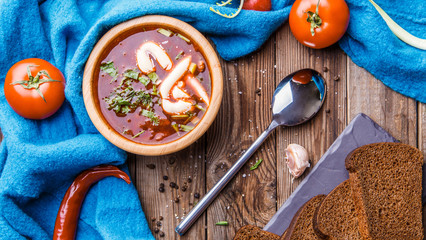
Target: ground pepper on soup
(154,86)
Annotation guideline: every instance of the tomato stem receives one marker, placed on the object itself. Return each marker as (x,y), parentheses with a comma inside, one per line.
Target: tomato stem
(35,82)
(314,19)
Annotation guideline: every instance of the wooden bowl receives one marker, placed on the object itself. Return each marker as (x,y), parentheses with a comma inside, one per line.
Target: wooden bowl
(119,32)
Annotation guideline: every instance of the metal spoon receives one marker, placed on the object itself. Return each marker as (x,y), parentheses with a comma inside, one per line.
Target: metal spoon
(293,103)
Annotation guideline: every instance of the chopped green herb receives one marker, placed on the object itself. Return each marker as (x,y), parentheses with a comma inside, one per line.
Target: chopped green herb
(131,73)
(179,56)
(165,32)
(154,90)
(180,116)
(143,98)
(110,69)
(137,135)
(256,164)
(199,107)
(151,115)
(186,128)
(153,76)
(184,38)
(144,80)
(222,223)
(175,127)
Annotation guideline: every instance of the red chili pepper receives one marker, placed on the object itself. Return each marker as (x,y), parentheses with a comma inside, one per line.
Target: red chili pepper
(69,211)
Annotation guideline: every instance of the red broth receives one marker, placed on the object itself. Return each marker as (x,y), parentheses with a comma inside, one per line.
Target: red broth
(133,107)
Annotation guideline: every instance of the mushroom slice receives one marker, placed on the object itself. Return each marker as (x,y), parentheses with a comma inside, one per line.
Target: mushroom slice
(145,63)
(180,69)
(199,90)
(176,107)
(179,93)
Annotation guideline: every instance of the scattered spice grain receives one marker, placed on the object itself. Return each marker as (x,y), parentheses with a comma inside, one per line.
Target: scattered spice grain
(336,78)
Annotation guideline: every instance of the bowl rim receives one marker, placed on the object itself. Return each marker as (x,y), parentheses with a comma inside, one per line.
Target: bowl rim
(90,92)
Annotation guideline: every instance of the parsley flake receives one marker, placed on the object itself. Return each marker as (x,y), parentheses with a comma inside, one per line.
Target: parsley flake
(256,165)
(110,69)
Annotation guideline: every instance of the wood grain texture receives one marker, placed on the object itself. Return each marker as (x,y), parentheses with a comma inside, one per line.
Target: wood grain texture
(188,163)
(320,132)
(250,197)
(395,113)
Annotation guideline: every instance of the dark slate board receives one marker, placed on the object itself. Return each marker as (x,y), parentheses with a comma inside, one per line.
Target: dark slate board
(330,170)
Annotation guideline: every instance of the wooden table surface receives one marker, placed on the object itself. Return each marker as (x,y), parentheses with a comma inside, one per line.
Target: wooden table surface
(253,197)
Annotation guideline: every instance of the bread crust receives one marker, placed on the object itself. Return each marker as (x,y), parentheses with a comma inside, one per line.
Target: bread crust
(290,230)
(248,232)
(381,166)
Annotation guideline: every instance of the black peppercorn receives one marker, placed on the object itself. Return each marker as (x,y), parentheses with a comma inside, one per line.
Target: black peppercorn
(162,185)
(172,184)
(156,230)
(189,180)
(165,178)
(196,195)
(176,200)
(183,188)
(159,224)
(161,189)
(162,234)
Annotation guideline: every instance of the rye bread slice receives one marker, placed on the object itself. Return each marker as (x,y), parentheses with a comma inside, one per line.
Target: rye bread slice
(250,232)
(386,182)
(301,227)
(335,218)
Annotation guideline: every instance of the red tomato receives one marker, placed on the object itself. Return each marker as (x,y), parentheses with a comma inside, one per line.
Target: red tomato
(257,5)
(331,25)
(37,96)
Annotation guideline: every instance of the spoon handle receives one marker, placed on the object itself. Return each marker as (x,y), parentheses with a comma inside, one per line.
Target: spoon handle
(202,205)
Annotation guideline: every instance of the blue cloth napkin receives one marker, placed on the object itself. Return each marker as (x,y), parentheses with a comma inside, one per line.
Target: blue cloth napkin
(39,159)
(371,44)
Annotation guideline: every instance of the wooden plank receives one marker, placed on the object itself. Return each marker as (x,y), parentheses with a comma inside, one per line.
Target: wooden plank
(395,113)
(320,132)
(179,167)
(422,127)
(250,197)
(421,132)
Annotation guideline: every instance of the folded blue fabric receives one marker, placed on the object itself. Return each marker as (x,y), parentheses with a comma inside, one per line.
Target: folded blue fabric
(39,159)
(372,45)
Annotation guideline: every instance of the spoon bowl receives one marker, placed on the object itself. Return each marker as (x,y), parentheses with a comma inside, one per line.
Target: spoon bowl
(297,98)
(295,102)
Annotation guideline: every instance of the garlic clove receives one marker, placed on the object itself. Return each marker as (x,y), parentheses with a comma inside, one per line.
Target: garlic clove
(297,159)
